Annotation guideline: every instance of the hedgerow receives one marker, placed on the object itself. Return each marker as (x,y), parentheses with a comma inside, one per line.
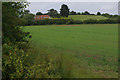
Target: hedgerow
(71,21)
(52,21)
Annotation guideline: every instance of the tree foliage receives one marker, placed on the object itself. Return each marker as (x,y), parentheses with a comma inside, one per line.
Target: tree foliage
(26,12)
(14,39)
(11,21)
(29,18)
(64,11)
(17,55)
(106,14)
(53,13)
(39,13)
(85,13)
(98,13)
(72,13)
(78,13)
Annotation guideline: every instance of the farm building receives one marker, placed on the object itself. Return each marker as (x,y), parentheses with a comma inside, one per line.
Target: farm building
(41,17)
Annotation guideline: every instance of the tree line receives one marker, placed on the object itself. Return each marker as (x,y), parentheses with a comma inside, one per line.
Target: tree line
(65,11)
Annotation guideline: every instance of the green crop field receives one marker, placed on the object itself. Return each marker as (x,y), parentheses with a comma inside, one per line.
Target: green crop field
(85,17)
(87,50)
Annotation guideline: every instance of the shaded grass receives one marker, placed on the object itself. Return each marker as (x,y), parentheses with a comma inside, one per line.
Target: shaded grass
(79,51)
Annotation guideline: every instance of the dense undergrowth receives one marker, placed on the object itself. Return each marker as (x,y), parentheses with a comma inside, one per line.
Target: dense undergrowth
(18,63)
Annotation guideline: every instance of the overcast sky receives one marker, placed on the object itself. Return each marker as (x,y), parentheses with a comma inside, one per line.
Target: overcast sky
(92,7)
(73,0)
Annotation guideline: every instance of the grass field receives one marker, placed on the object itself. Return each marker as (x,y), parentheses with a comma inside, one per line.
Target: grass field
(85,17)
(87,50)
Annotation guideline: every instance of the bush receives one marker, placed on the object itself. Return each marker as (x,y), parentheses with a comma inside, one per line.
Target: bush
(13,62)
(20,64)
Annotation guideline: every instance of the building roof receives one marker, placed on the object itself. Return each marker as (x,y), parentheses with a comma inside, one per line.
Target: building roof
(43,15)
(40,17)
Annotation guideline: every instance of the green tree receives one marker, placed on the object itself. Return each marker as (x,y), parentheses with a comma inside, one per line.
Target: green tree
(106,14)
(28,19)
(14,39)
(86,13)
(11,21)
(16,52)
(98,13)
(78,13)
(53,13)
(82,13)
(64,11)
(39,13)
(25,13)
(72,13)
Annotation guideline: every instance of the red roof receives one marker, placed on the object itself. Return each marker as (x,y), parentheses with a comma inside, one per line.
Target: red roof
(41,17)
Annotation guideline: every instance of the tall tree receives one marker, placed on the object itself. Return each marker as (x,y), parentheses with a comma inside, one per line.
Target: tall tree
(86,13)
(53,13)
(98,13)
(64,11)
(39,13)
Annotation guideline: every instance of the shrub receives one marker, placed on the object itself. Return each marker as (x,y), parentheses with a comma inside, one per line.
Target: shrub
(71,21)
(13,62)
(53,21)
(20,64)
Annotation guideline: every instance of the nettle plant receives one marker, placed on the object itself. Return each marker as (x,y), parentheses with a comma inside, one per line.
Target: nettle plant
(17,64)
(13,62)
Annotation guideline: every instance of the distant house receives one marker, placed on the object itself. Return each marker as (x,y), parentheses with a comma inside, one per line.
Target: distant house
(41,17)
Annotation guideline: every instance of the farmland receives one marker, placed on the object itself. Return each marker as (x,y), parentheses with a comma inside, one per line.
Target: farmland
(87,50)
(85,17)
